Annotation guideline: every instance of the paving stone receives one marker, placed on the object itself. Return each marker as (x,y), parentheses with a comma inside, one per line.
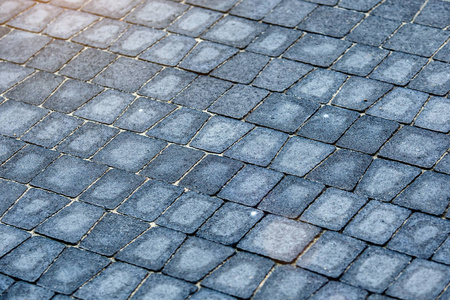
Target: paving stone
(136,39)
(333,209)
(150,200)
(239,276)
(72,268)
(170,50)
(325,2)
(444,165)
(157,14)
(398,9)
(29,43)
(87,64)
(376,269)
(71,223)
(152,249)
(30,259)
(206,56)
(11,238)
(112,188)
(220,5)
(51,130)
(275,40)
(8,147)
(10,192)
(158,286)
(110,8)
(87,140)
(69,23)
(377,222)
(435,14)
(373,30)
(420,280)
(416,146)
(289,13)
(359,5)
(202,92)
(172,163)
(195,22)
(234,31)
(23,290)
(435,115)
(238,101)
(189,212)
(250,185)
(253,9)
(117,281)
(73,4)
(280,74)
(443,253)
(433,79)
(359,93)
(10,8)
(129,151)
(339,290)
(5,283)
(180,126)
(196,258)
(331,254)
(360,60)
(12,74)
(258,147)
(167,84)
(398,68)
(36,18)
(445,295)
(106,107)
(17,117)
(317,50)
(54,56)
(279,238)
(205,293)
(27,163)
(102,34)
(68,176)
(319,85)
(219,133)
(230,223)
(290,197)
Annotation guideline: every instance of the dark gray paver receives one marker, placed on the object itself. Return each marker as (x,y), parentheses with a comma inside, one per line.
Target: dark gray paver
(279,238)
(54,56)
(275,40)
(110,8)
(69,23)
(360,60)
(10,8)
(338,289)
(136,39)
(435,14)
(376,269)
(443,253)
(112,233)
(5,283)
(205,293)
(289,13)
(331,254)
(220,5)
(295,158)
(239,276)
(36,18)
(196,258)
(170,50)
(102,34)
(258,147)
(158,286)
(359,5)
(433,79)
(157,14)
(17,117)
(24,290)
(12,74)
(129,151)
(11,238)
(82,265)
(373,30)
(189,212)
(230,223)
(152,249)
(377,222)
(194,22)
(150,200)
(71,223)
(28,42)
(398,9)
(30,259)
(8,147)
(10,192)
(69,176)
(435,115)
(253,9)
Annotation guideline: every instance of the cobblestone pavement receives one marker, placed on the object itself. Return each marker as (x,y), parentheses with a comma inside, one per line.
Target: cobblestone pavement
(224,149)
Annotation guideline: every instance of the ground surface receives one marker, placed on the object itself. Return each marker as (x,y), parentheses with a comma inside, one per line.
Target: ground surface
(222,149)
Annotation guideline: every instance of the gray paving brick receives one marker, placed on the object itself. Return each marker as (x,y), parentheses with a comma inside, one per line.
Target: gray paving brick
(172,163)
(219,133)
(373,30)
(338,289)
(253,9)
(54,56)
(239,276)
(433,79)
(82,265)
(443,253)
(416,146)
(220,5)
(435,14)
(17,117)
(106,107)
(275,40)
(68,176)
(170,50)
(152,249)
(73,4)
(258,147)
(195,22)
(158,286)
(117,281)
(411,283)
(12,74)
(36,18)
(10,192)
(180,126)
(10,8)
(377,222)
(29,43)
(158,14)
(360,60)
(102,34)
(331,254)
(136,39)
(376,269)
(69,23)
(110,8)
(11,238)
(87,64)
(280,74)
(205,293)
(8,147)
(359,5)
(5,283)
(189,212)
(279,238)
(250,185)
(129,151)
(230,223)
(23,290)
(289,13)
(435,115)
(30,259)
(196,258)
(444,165)
(398,9)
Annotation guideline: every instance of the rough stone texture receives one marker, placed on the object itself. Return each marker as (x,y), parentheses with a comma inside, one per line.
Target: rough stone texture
(435,115)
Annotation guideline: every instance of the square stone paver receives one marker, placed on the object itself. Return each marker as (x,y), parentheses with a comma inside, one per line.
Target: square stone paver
(110,8)
(136,39)
(36,18)
(275,40)
(289,13)
(102,34)
(11,237)
(9,146)
(373,30)
(398,9)
(157,14)
(68,23)
(253,9)
(360,60)
(433,79)
(358,4)
(195,21)
(338,289)
(170,50)
(435,14)
(12,74)
(26,290)
(16,117)
(435,115)
(11,8)
(158,286)
(220,5)
(28,42)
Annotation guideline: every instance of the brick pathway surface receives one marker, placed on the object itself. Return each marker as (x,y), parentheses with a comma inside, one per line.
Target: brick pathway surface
(224,149)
